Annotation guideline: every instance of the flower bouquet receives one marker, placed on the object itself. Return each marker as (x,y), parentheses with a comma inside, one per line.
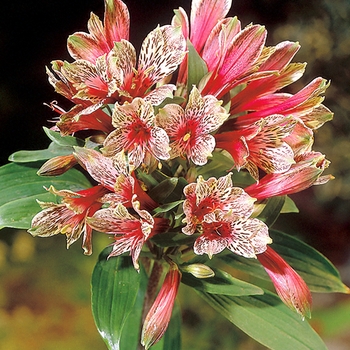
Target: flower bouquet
(184,154)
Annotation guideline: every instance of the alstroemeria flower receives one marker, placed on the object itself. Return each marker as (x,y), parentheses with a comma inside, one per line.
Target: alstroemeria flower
(260,145)
(221,213)
(158,317)
(101,36)
(290,287)
(206,196)
(130,231)
(189,130)
(69,217)
(114,76)
(240,234)
(114,175)
(306,172)
(105,70)
(84,114)
(136,134)
(204,17)
(305,104)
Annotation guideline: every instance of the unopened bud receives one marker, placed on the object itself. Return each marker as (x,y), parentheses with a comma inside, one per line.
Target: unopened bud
(57,165)
(199,270)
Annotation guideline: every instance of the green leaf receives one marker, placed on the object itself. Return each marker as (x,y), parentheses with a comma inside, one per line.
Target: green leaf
(167,206)
(317,271)
(221,283)
(216,166)
(52,151)
(114,286)
(20,187)
(197,68)
(289,206)
(130,338)
(56,137)
(272,210)
(267,320)
(162,191)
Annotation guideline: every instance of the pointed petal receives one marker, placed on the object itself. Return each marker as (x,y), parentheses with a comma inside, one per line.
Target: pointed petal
(214,51)
(162,51)
(202,149)
(116,21)
(209,244)
(159,143)
(159,94)
(204,16)
(249,237)
(98,166)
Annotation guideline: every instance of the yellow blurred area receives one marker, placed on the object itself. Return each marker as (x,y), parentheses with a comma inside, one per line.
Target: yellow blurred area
(45,295)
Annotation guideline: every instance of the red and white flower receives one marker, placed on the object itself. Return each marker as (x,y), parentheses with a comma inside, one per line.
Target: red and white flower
(130,231)
(189,129)
(70,216)
(136,133)
(221,214)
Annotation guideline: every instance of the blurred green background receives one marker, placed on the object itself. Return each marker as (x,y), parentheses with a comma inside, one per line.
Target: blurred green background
(44,288)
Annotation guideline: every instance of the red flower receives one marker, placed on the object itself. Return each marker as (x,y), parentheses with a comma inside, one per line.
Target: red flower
(189,130)
(304,173)
(159,315)
(290,287)
(260,145)
(130,231)
(69,217)
(135,133)
(221,213)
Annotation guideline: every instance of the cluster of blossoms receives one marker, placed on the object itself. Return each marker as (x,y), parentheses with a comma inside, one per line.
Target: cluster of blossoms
(202,88)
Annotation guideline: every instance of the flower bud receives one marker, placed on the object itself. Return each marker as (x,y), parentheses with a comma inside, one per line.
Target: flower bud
(199,270)
(290,287)
(158,317)
(57,165)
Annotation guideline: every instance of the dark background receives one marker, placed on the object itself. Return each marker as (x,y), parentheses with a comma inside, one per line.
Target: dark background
(33,33)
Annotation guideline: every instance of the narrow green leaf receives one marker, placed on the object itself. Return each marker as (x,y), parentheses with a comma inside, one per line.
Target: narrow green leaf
(20,187)
(289,206)
(167,206)
(218,165)
(197,68)
(272,210)
(267,320)
(56,137)
(317,271)
(130,338)
(53,150)
(114,288)
(221,283)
